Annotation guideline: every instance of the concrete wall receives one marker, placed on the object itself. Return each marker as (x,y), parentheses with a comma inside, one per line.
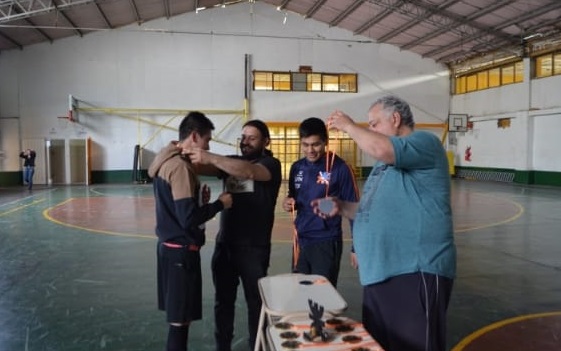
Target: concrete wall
(531,142)
(196,62)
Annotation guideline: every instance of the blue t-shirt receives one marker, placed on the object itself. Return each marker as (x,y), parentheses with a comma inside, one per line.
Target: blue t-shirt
(305,185)
(403,222)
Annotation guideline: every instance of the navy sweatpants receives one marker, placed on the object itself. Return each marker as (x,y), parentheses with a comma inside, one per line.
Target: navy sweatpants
(408,312)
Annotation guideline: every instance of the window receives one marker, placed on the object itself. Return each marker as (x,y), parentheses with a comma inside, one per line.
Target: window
(494,77)
(262,80)
(314,82)
(507,73)
(281,81)
(557,63)
(544,66)
(519,72)
(330,82)
(472,82)
(305,81)
(480,79)
(348,82)
(461,85)
(299,81)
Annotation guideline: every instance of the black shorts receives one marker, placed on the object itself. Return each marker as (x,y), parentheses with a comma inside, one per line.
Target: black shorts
(179,283)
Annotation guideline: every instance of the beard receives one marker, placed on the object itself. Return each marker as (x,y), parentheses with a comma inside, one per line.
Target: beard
(250,152)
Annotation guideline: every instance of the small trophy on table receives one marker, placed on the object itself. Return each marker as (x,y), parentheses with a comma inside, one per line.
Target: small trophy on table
(317,332)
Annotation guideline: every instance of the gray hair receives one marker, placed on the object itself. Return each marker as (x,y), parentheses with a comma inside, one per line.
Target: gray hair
(391,104)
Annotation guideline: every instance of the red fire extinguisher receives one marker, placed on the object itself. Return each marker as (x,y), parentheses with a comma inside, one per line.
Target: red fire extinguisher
(467,154)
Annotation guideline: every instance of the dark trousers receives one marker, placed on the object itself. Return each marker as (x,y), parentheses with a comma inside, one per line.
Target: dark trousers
(408,312)
(230,264)
(323,258)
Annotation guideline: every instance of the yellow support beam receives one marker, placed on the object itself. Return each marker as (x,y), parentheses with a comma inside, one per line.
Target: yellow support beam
(134,114)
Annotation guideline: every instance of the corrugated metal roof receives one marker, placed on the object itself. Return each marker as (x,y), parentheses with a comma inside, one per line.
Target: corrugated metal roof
(447,31)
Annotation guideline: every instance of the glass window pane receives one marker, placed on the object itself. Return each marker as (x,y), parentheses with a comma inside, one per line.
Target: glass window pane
(299,81)
(557,63)
(347,83)
(281,81)
(482,80)
(330,82)
(262,80)
(472,82)
(460,85)
(314,81)
(494,77)
(519,71)
(544,66)
(507,73)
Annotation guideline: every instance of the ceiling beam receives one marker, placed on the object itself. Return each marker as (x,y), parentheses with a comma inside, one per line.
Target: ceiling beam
(30,8)
(457,21)
(39,30)
(34,26)
(283,5)
(318,4)
(417,20)
(167,10)
(8,38)
(67,19)
(528,15)
(346,12)
(135,11)
(100,11)
(389,9)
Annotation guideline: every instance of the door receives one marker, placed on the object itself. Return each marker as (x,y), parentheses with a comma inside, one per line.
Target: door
(56,161)
(78,161)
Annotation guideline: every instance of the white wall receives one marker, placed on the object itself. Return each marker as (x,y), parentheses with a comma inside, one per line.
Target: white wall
(533,138)
(179,64)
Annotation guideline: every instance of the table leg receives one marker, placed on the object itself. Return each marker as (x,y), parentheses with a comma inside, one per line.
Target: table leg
(260,339)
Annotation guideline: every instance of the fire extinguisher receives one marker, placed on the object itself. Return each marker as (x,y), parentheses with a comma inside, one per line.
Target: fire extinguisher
(467,154)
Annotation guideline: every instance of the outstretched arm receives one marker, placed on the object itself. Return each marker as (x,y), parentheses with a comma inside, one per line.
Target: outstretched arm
(375,144)
(208,161)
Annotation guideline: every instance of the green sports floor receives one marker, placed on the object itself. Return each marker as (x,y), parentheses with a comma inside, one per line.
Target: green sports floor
(77,270)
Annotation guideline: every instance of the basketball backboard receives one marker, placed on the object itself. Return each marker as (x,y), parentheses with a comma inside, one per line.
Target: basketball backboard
(457,122)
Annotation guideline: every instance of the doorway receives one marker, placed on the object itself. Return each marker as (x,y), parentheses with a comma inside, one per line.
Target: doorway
(68,161)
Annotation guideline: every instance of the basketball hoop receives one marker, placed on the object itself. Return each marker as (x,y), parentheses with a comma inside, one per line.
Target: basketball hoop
(69,116)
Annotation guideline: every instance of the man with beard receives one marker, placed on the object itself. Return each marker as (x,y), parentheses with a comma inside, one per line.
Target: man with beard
(243,243)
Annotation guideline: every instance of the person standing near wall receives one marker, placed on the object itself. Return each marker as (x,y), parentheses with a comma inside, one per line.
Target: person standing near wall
(28,166)
(181,209)
(318,174)
(243,243)
(402,231)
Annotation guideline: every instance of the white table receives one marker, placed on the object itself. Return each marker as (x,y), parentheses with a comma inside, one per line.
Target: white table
(288,294)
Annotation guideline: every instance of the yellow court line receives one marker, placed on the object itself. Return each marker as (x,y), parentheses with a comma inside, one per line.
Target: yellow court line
(21,207)
(492,224)
(470,338)
(98,231)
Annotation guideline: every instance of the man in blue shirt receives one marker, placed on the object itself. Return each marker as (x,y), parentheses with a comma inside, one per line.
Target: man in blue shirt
(318,174)
(403,231)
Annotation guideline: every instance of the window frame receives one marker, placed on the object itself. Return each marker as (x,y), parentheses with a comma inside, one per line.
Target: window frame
(305,81)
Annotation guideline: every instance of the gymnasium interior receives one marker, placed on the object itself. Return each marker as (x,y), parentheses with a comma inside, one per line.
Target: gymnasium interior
(98,87)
